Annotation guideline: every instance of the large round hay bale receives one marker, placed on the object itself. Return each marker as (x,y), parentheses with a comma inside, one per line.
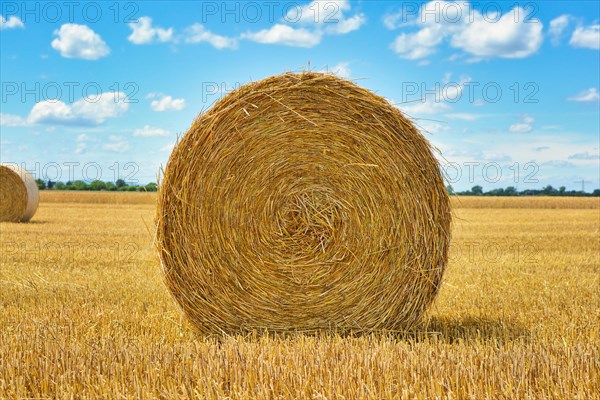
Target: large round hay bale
(303,202)
(19,196)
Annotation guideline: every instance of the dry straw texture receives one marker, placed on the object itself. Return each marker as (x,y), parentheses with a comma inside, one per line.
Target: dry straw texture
(19,196)
(303,202)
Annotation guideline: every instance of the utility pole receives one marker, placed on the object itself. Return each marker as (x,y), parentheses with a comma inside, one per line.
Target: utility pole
(583,182)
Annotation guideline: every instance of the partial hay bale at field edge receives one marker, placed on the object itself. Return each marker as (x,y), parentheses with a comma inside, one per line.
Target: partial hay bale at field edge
(19,196)
(303,202)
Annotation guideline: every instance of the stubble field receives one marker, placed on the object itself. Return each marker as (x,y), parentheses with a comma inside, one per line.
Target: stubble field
(84,314)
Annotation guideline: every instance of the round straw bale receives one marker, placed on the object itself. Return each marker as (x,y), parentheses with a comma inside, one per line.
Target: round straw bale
(19,196)
(303,202)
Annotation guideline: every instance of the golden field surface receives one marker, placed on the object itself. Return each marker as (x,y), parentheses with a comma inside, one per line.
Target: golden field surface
(84,314)
(460,202)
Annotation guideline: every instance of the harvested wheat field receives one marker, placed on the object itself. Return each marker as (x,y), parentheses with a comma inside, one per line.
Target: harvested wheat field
(85,314)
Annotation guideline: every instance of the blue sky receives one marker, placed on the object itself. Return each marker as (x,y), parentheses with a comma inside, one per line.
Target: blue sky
(507,91)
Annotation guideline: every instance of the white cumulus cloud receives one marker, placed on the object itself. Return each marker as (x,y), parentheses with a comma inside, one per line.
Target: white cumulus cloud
(348,25)
(11,23)
(504,38)
(391,21)
(50,112)
(414,46)
(12,120)
(79,41)
(557,27)
(285,35)
(144,33)
(197,33)
(525,125)
(466,29)
(92,111)
(107,105)
(167,103)
(312,22)
(586,36)
(589,95)
(342,70)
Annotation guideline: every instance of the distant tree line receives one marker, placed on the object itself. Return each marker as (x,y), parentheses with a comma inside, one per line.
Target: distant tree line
(512,191)
(119,186)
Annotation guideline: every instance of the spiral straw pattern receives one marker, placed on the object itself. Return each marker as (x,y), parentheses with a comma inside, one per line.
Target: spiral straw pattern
(303,202)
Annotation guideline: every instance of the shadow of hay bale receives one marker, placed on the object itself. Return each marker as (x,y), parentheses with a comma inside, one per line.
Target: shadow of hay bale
(470,329)
(440,330)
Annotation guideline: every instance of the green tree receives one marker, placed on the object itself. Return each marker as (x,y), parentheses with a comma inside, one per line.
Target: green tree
(60,186)
(477,190)
(120,183)
(153,187)
(40,184)
(495,192)
(79,185)
(449,188)
(97,185)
